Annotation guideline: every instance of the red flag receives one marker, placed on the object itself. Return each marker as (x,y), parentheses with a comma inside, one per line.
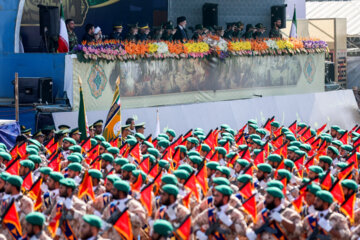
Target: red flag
(344,138)
(183,232)
(135,187)
(21,150)
(123,149)
(210,139)
(115,142)
(35,194)
(241,140)
(278,141)
(12,222)
(191,185)
(13,167)
(298,203)
(284,182)
(54,223)
(353,159)
(348,207)
(201,178)
(149,138)
(123,226)
(326,182)
(188,134)
(319,131)
(241,131)
(337,192)
(277,132)
(54,163)
(157,181)
(86,187)
(186,200)
(250,207)
(146,198)
(176,159)
(345,172)
(246,190)
(27,182)
(13,152)
(298,162)
(35,189)
(145,165)
(135,153)
(52,149)
(267,125)
(249,170)
(214,157)
(86,145)
(305,135)
(309,163)
(293,127)
(245,154)
(227,146)
(260,158)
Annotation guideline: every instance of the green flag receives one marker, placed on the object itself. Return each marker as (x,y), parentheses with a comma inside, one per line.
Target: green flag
(82,120)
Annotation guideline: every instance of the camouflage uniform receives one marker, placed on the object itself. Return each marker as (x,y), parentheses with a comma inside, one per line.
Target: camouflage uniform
(208,218)
(78,207)
(136,212)
(337,221)
(73,41)
(287,213)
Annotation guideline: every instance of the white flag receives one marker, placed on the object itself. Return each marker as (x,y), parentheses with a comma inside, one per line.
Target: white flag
(293,30)
(157,129)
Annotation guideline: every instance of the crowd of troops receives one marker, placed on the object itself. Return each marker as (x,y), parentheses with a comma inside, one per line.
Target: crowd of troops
(171,32)
(260,182)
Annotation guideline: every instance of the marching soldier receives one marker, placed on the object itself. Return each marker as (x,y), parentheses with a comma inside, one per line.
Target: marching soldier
(171,210)
(122,201)
(34,226)
(90,228)
(50,197)
(71,209)
(162,230)
(24,204)
(276,221)
(222,220)
(325,222)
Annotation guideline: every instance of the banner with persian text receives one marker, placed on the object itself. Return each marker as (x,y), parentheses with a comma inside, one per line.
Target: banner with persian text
(146,83)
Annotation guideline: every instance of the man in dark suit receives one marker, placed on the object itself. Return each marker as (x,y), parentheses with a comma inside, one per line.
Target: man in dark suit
(181,33)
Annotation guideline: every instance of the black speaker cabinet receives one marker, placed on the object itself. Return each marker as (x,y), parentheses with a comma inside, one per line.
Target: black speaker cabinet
(35,90)
(210,14)
(279,12)
(49,21)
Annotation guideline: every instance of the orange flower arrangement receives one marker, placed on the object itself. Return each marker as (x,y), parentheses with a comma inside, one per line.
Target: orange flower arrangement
(258,45)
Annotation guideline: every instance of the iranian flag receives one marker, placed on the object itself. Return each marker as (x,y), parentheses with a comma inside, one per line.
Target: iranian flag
(293,31)
(63,37)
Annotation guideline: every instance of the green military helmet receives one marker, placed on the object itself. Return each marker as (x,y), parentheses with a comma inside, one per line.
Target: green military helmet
(163,228)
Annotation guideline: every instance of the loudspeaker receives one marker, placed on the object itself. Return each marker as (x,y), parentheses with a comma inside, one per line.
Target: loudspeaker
(278,12)
(210,14)
(43,119)
(36,90)
(49,21)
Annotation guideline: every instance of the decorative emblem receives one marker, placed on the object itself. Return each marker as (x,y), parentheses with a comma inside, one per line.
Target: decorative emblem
(309,69)
(97,80)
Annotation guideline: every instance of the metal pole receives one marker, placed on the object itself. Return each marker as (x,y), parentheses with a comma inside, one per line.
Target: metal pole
(17,97)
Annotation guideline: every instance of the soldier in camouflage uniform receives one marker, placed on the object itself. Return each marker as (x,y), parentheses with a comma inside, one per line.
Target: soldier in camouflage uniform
(70,26)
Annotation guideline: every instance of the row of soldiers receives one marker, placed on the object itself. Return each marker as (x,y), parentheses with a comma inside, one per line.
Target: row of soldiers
(260,182)
(169,32)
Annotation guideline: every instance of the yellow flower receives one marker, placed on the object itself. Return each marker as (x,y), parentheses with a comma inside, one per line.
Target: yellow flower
(239,46)
(152,48)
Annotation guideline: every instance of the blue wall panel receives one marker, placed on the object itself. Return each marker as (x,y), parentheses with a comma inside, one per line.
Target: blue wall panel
(31,65)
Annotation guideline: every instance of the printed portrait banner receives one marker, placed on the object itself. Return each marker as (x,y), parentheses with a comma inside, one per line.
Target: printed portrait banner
(146,83)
